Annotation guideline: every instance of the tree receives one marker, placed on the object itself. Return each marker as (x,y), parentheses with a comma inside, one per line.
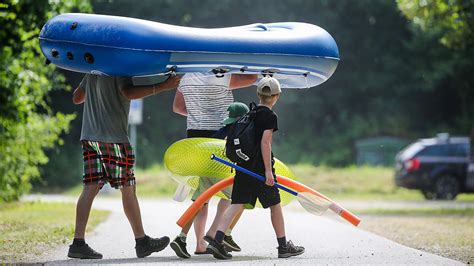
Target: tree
(27,123)
(446,69)
(394,78)
(353,104)
(453,19)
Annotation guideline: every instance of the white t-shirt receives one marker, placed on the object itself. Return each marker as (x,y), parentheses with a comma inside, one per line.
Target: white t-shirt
(207,99)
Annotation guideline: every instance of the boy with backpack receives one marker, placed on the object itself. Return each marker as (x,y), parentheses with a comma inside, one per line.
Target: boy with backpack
(260,122)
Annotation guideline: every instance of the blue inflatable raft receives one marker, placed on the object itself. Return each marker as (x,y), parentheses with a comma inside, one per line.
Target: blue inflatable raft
(300,55)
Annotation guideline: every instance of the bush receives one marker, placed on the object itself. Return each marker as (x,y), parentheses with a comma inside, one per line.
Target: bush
(27,123)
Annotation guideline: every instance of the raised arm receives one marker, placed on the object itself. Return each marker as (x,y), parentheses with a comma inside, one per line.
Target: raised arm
(79,95)
(238,81)
(179,106)
(137,92)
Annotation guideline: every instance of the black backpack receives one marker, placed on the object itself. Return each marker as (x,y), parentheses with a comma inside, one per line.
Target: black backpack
(241,146)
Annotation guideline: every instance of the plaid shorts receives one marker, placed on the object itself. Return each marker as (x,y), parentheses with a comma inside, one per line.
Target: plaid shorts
(108,162)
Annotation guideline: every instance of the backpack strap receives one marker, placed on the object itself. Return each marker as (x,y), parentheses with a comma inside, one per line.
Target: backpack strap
(252,106)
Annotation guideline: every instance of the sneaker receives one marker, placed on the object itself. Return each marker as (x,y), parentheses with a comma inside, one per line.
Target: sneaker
(83,252)
(218,251)
(230,244)
(151,245)
(179,247)
(290,250)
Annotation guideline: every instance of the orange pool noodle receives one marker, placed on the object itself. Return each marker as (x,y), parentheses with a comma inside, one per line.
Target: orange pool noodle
(199,202)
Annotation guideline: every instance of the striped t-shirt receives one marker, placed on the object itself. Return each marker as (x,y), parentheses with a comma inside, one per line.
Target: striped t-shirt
(207,99)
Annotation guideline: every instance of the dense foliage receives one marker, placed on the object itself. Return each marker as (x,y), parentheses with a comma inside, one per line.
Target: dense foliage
(27,123)
(404,72)
(395,78)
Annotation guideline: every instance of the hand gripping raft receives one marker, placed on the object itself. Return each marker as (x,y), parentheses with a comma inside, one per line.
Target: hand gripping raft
(299,55)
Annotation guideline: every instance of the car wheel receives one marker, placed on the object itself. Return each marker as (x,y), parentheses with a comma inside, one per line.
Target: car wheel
(446,187)
(428,194)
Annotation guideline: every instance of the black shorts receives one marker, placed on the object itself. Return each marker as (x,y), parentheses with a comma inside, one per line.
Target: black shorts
(196,133)
(247,189)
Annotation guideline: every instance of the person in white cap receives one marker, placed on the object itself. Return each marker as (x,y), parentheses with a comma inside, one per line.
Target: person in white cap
(247,189)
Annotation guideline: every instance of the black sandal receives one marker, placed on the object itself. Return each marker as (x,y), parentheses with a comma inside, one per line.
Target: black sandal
(201,252)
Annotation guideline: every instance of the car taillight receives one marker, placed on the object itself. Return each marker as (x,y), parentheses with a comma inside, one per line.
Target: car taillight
(412,165)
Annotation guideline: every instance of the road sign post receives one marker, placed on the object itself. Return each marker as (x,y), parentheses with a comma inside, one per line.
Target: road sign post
(135,118)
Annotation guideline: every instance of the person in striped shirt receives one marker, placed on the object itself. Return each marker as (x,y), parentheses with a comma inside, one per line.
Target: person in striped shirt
(204,98)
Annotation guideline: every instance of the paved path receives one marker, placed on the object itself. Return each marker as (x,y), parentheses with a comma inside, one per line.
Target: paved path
(326,239)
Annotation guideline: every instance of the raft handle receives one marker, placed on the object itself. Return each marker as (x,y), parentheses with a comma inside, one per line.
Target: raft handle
(262,26)
(89,58)
(70,56)
(54,52)
(220,71)
(171,71)
(73,26)
(270,72)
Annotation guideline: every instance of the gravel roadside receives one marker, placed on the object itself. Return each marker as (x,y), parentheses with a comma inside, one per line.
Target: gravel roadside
(450,236)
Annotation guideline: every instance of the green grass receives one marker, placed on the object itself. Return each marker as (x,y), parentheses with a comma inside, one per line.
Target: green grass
(28,229)
(419,211)
(365,182)
(356,183)
(151,182)
(445,235)
(154,181)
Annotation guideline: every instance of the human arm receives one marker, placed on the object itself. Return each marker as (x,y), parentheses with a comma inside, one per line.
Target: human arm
(238,81)
(221,133)
(179,106)
(266,147)
(79,95)
(136,92)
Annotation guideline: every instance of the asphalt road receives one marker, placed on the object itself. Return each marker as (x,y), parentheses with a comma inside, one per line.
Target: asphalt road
(327,239)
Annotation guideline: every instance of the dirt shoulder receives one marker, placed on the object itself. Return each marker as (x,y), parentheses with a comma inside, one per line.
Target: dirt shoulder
(450,236)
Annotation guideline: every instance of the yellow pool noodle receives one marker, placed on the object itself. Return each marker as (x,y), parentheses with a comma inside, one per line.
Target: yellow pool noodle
(188,159)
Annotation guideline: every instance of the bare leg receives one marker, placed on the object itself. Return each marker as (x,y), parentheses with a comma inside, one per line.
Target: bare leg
(277,220)
(200,227)
(132,210)
(236,219)
(83,209)
(186,227)
(221,207)
(229,216)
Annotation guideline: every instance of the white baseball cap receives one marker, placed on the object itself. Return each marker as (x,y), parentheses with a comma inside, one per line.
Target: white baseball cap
(268,86)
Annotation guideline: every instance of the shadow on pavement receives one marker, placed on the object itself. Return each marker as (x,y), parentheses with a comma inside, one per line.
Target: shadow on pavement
(169,259)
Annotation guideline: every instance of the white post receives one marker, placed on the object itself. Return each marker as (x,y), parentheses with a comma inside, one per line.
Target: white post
(134,119)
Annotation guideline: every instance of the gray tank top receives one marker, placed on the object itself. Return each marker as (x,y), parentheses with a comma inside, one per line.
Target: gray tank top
(105,116)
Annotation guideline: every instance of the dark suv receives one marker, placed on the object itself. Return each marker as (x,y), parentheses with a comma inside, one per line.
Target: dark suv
(436,166)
